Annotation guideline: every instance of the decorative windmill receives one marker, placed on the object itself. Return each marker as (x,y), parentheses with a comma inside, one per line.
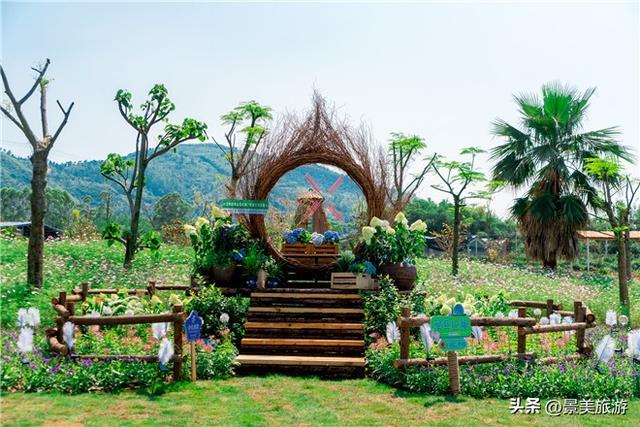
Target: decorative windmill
(311,204)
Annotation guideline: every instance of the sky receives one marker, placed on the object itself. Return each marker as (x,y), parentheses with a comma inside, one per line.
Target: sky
(443,71)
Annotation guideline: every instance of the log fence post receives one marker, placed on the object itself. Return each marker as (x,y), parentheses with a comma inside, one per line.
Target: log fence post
(151,288)
(454,372)
(579,316)
(85,290)
(522,336)
(549,307)
(178,323)
(405,336)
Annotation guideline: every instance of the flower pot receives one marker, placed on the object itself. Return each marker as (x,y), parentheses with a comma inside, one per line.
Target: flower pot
(273,282)
(251,282)
(223,277)
(403,275)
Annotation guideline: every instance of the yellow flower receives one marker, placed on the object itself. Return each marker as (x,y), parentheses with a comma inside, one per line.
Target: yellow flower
(418,225)
(390,230)
(200,222)
(401,218)
(445,310)
(367,234)
(216,212)
(375,222)
(174,299)
(189,230)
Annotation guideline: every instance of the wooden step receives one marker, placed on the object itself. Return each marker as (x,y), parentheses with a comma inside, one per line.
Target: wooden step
(302,310)
(302,325)
(306,295)
(298,342)
(260,359)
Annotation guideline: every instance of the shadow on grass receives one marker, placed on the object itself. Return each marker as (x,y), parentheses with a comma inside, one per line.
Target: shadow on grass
(429,399)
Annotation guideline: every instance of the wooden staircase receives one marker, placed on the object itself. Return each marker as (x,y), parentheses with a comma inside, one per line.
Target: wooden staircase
(304,331)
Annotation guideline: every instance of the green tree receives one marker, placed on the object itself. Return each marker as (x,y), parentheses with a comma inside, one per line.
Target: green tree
(458,179)
(403,150)
(169,209)
(546,155)
(129,174)
(615,198)
(41,146)
(60,207)
(14,204)
(250,119)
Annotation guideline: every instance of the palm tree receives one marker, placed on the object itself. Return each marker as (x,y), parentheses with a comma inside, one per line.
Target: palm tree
(546,154)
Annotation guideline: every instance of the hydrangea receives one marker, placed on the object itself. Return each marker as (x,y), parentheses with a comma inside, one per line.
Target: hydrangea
(331,236)
(418,225)
(200,222)
(400,218)
(238,255)
(375,222)
(317,239)
(367,234)
(369,268)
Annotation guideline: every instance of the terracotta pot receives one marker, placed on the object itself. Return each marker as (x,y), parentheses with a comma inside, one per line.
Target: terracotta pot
(223,277)
(404,276)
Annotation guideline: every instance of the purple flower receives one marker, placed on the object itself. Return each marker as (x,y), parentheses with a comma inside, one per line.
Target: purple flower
(86,362)
(55,370)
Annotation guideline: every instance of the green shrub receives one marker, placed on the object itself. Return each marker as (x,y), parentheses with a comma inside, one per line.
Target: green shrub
(210,303)
(216,363)
(381,307)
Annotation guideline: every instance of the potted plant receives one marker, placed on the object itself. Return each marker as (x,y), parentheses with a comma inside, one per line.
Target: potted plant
(393,250)
(296,241)
(253,262)
(218,247)
(275,273)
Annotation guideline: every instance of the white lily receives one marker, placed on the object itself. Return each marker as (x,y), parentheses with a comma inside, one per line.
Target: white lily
(68,334)
(393,332)
(165,352)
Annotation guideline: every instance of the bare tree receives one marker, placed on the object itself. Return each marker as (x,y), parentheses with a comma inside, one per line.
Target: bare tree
(39,159)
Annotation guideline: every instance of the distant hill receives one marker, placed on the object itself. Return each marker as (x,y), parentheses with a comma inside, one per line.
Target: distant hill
(192,168)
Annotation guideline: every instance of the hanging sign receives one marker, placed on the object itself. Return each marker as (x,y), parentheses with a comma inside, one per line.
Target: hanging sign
(245,206)
(452,329)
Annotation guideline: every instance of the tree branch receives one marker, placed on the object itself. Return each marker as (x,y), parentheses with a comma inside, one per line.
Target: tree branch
(10,117)
(64,121)
(41,73)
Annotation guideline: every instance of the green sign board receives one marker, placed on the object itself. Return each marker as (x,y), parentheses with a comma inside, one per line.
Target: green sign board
(452,329)
(245,206)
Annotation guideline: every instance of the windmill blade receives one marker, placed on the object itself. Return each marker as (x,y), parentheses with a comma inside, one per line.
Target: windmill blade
(335,185)
(313,183)
(311,210)
(337,215)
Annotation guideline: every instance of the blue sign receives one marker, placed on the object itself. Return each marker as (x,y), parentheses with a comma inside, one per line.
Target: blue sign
(193,325)
(452,329)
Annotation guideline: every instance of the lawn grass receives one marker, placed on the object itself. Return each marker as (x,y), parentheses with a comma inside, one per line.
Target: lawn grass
(281,400)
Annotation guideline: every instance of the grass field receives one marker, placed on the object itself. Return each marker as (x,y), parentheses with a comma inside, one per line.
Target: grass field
(277,400)
(274,400)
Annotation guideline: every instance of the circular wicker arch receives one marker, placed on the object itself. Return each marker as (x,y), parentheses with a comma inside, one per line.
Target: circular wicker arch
(317,138)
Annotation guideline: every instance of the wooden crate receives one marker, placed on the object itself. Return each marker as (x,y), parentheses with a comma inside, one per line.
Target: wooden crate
(353,281)
(308,248)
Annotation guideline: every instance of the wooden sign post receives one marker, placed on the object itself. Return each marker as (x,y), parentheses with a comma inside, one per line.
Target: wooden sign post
(193,326)
(453,330)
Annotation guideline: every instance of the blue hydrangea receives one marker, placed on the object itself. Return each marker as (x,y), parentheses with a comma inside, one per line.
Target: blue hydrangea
(317,239)
(369,268)
(239,255)
(331,236)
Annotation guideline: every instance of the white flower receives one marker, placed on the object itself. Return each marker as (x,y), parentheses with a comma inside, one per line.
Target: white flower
(390,230)
(367,234)
(513,314)
(567,320)
(375,222)
(605,349)
(633,343)
(555,319)
(224,318)
(165,352)
(385,224)
(33,315)
(418,225)
(537,312)
(94,313)
(22,318)
(189,230)
(25,340)
(107,311)
(623,320)
(400,218)
(445,310)
(611,318)
(200,221)
(393,332)
(544,320)
(129,312)
(317,239)
(68,332)
(499,315)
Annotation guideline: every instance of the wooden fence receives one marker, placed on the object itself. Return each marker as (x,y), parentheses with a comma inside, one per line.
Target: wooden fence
(583,319)
(64,305)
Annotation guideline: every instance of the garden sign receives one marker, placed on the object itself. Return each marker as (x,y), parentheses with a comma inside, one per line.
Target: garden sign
(192,327)
(453,330)
(245,206)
